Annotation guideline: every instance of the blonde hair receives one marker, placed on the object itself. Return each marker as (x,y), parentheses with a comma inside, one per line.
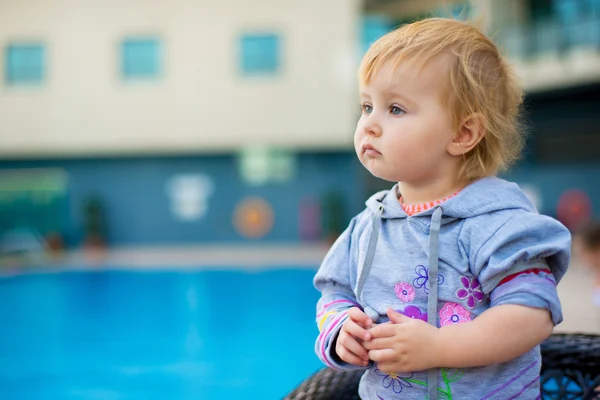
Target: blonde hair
(479,81)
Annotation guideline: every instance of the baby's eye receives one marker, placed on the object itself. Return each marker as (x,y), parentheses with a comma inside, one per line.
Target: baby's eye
(395,110)
(367,108)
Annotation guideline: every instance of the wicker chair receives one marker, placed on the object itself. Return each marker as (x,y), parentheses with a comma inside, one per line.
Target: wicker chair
(570,370)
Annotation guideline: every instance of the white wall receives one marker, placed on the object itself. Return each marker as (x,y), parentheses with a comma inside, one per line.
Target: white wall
(201,104)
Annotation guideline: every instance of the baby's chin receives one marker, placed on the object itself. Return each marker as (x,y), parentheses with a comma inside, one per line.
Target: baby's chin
(377,172)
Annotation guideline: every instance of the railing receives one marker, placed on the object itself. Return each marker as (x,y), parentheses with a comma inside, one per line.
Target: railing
(550,38)
(551,53)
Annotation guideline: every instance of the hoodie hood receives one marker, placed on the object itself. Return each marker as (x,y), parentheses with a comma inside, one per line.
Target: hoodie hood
(480,197)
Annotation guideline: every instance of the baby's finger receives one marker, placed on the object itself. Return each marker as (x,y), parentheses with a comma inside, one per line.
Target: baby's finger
(358,316)
(379,343)
(384,330)
(383,355)
(356,330)
(350,357)
(353,346)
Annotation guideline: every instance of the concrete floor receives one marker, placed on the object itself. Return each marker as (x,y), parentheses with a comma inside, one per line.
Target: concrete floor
(575,291)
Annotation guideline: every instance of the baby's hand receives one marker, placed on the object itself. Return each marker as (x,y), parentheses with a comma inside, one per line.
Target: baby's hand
(403,344)
(349,342)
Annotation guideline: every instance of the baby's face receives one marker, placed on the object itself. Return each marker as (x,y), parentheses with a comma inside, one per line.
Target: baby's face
(404,130)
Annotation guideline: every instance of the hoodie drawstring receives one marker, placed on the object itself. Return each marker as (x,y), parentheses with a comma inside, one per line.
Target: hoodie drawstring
(373,237)
(432,299)
(432,277)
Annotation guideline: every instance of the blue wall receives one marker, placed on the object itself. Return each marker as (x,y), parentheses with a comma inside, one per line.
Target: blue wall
(553,180)
(138,207)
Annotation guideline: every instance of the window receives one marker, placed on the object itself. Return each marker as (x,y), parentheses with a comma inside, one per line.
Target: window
(25,64)
(260,54)
(140,58)
(33,202)
(263,165)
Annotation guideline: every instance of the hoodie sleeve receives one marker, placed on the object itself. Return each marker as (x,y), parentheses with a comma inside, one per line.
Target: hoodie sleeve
(335,281)
(523,260)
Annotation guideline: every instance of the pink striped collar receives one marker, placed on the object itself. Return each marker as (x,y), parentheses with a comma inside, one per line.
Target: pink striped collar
(412,209)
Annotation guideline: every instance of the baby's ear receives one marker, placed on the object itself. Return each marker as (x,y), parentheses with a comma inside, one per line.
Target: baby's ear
(470,132)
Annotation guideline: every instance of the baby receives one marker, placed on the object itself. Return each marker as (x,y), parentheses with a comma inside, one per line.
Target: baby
(445,285)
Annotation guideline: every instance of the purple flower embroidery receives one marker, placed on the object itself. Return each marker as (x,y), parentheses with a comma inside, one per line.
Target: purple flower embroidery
(394,380)
(453,313)
(414,312)
(422,279)
(404,291)
(471,291)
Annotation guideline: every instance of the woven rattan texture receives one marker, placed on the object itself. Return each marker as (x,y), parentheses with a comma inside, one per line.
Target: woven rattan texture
(570,370)
(571,367)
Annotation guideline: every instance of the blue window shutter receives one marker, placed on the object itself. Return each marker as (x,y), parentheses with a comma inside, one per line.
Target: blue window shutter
(140,58)
(25,64)
(260,54)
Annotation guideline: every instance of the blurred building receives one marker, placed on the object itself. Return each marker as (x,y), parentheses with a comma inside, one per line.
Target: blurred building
(175,115)
(189,121)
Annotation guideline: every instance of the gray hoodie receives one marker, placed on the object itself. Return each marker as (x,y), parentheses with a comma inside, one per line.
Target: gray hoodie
(484,247)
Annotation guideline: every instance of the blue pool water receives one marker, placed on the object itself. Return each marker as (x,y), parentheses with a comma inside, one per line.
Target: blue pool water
(156,335)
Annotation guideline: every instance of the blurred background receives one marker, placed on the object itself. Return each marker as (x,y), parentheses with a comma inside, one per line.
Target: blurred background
(172,173)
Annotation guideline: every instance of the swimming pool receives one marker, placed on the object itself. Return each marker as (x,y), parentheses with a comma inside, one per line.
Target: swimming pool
(125,334)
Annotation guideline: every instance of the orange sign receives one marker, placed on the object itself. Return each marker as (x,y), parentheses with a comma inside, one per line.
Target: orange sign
(253,218)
